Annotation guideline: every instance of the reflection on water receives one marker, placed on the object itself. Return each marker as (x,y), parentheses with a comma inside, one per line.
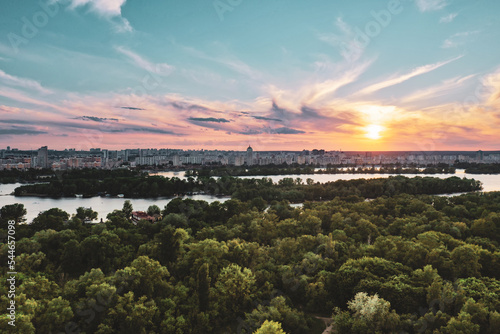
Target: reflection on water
(102,205)
(105,205)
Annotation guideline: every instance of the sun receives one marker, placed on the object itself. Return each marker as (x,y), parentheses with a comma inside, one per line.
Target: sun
(373,131)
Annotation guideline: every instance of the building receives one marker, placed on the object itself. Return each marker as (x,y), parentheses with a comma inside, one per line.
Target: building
(479,155)
(249,156)
(141,215)
(43,157)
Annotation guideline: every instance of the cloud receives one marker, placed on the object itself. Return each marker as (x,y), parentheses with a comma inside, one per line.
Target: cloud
(109,9)
(265,118)
(457,39)
(23,82)
(310,113)
(285,131)
(162,69)
(151,130)
(445,87)
(16,130)
(430,5)
(347,41)
(277,131)
(492,84)
(404,77)
(188,106)
(132,108)
(448,18)
(208,119)
(96,119)
(226,60)
(324,89)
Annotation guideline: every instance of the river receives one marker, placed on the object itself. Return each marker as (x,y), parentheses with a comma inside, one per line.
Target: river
(105,205)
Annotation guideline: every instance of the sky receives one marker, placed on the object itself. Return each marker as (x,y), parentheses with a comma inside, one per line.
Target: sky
(410,75)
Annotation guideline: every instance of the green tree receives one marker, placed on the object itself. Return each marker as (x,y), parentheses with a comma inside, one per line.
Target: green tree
(466,261)
(51,219)
(154,210)
(270,327)
(85,214)
(203,287)
(12,212)
(235,287)
(370,314)
(127,209)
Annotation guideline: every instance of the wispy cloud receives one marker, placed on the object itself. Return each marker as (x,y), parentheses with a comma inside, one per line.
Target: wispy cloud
(163,69)
(96,119)
(227,60)
(430,5)
(343,77)
(457,39)
(492,83)
(23,82)
(24,131)
(267,118)
(109,9)
(272,131)
(132,108)
(448,18)
(208,119)
(346,40)
(404,77)
(438,90)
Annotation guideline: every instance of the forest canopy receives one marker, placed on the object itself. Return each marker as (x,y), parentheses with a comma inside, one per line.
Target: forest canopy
(404,261)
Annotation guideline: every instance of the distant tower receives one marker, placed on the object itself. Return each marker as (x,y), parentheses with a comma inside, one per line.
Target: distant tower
(249,156)
(43,157)
(479,155)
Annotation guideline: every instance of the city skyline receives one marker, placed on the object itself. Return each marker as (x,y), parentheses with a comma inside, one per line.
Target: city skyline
(12,158)
(393,75)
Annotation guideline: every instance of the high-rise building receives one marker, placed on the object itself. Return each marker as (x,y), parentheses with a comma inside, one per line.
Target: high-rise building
(479,155)
(249,156)
(43,157)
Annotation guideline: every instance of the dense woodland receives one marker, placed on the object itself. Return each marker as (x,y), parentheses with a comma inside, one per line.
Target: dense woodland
(483,169)
(30,175)
(133,184)
(399,263)
(296,169)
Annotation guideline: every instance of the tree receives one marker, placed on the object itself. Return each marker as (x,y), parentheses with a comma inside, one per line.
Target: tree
(370,314)
(51,219)
(127,209)
(154,210)
(466,261)
(56,313)
(12,212)
(461,325)
(236,287)
(203,287)
(130,315)
(292,320)
(270,327)
(85,214)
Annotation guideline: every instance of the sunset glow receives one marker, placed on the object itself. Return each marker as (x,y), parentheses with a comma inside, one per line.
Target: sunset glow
(277,75)
(373,131)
